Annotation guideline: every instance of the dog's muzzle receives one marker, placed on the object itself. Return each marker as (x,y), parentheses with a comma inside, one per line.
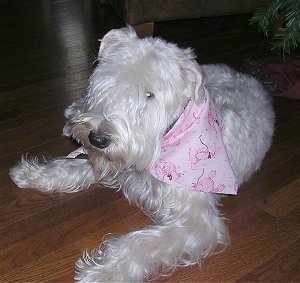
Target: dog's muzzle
(99,139)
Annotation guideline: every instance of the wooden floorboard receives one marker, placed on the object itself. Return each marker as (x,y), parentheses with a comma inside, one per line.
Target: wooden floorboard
(47,52)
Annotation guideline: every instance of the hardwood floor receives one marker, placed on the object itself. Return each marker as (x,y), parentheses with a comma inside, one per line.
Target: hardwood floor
(46,53)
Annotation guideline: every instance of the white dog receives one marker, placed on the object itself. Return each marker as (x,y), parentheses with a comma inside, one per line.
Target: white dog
(174,137)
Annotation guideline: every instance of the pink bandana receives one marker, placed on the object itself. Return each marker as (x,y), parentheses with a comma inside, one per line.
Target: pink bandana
(193,153)
(78,151)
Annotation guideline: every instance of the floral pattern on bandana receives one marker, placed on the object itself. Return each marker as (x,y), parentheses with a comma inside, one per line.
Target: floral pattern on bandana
(193,154)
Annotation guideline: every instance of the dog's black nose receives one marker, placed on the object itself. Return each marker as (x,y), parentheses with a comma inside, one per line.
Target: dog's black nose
(99,140)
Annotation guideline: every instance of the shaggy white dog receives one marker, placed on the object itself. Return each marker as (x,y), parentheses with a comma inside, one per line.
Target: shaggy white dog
(145,101)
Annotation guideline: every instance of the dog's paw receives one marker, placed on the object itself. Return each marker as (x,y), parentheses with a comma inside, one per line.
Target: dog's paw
(89,269)
(109,265)
(98,274)
(28,174)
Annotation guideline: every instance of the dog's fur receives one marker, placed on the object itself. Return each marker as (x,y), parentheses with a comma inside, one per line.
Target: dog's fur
(138,90)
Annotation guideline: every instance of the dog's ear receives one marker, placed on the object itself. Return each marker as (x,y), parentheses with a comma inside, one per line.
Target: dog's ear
(113,38)
(74,110)
(193,77)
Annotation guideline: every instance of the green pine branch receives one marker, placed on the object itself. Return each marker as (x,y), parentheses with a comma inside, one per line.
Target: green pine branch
(286,38)
(266,15)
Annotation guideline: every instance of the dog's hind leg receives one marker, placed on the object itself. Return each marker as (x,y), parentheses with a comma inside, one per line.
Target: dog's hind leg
(60,174)
(191,232)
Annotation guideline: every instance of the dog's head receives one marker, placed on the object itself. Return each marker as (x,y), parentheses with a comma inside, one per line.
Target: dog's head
(137,91)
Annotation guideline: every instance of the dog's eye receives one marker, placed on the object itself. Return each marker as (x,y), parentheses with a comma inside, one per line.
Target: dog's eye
(149,94)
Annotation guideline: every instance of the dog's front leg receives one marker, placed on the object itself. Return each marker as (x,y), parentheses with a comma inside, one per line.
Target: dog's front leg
(60,174)
(189,228)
